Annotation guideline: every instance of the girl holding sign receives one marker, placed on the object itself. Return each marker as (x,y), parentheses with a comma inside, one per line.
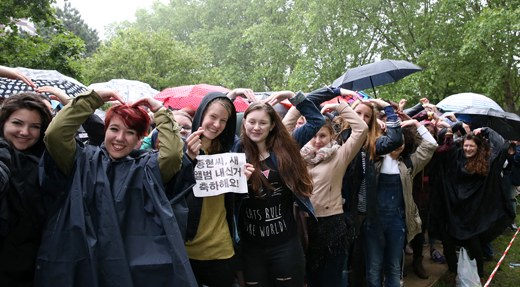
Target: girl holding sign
(210,219)
(272,251)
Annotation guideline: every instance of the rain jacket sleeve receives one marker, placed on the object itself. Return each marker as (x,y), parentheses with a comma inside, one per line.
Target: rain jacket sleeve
(311,113)
(394,138)
(59,137)
(170,144)
(321,95)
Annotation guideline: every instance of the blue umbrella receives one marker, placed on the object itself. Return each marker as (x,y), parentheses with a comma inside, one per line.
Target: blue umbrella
(375,74)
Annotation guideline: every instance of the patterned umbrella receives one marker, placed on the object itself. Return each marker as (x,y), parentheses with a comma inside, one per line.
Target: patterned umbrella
(130,90)
(460,101)
(184,96)
(41,78)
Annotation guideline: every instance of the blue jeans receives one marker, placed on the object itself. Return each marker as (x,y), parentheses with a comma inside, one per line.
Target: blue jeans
(332,274)
(386,255)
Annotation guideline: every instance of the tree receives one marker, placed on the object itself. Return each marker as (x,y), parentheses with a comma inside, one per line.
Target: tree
(72,22)
(59,52)
(155,58)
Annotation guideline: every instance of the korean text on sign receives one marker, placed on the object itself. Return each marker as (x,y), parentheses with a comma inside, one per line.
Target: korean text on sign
(220,173)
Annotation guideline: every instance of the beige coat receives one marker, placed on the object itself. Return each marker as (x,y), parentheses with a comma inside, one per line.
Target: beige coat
(420,158)
(328,175)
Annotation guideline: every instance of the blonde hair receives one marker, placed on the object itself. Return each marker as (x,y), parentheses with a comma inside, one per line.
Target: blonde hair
(374,130)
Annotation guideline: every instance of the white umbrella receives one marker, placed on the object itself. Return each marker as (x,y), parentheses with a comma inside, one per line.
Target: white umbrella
(457,102)
(130,90)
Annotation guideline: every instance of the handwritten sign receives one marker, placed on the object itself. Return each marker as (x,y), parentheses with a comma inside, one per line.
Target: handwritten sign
(220,173)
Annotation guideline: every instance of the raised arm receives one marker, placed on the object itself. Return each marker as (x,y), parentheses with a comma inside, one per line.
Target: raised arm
(358,135)
(394,136)
(425,150)
(59,137)
(170,141)
(302,107)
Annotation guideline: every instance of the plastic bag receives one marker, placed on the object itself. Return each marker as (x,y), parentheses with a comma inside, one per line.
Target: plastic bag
(467,273)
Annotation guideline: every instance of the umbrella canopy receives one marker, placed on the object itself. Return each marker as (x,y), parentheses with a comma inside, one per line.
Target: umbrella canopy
(41,78)
(130,90)
(375,74)
(504,123)
(184,96)
(460,101)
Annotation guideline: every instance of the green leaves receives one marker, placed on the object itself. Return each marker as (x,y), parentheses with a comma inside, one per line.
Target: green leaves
(155,58)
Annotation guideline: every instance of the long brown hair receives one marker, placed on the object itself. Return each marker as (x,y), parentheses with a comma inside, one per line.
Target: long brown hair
(374,130)
(479,162)
(292,167)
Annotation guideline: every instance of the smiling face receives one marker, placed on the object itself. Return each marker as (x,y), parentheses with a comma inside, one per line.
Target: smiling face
(470,148)
(214,121)
(364,112)
(257,125)
(322,138)
(23,129)
(119,139)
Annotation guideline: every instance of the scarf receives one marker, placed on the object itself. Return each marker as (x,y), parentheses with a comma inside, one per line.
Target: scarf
(314,156)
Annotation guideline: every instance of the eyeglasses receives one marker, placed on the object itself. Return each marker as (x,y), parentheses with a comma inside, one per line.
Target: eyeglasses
(186,128)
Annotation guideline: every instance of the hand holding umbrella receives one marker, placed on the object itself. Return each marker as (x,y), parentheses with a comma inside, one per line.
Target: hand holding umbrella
(15,74)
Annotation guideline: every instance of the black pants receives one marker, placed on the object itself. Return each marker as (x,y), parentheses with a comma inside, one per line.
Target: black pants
(473,245)
(280,265)
(214,273)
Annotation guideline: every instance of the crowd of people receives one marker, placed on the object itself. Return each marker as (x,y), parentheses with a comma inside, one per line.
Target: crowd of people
(352,186)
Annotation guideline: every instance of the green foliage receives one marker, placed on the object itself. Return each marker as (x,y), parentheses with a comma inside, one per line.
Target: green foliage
(72,22)
(58,52)
(39,11)
(155,58)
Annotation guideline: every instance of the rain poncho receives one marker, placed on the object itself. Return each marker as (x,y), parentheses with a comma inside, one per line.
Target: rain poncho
(111,223)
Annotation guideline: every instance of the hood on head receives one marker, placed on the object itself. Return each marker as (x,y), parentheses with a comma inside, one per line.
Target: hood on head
(227,137)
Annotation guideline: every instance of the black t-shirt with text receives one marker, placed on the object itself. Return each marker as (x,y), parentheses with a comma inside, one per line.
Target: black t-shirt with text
(268,220)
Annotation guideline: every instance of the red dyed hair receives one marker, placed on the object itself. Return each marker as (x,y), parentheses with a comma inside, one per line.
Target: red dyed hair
(134,118)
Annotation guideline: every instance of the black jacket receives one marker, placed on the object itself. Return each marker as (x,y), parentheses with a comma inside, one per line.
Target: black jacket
(226,138)
(22,214)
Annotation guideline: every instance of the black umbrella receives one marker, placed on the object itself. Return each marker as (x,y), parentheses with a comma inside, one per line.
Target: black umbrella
(375,74)
(41,78)
(504,123)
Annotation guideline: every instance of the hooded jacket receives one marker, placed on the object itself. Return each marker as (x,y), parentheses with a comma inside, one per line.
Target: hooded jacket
(226,138)
(112,223)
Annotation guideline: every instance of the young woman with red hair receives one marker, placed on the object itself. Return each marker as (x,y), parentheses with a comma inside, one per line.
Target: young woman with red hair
(111,222)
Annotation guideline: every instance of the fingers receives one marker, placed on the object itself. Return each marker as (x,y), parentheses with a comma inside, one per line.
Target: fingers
(25,79)
(248,171)
(194,143)
(250,95)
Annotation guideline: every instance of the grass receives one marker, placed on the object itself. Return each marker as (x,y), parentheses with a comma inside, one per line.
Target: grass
(505,275)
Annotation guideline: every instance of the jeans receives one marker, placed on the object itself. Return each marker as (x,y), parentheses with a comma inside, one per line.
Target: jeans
(280,265)
(386,256)
(334,273)
(214,273)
